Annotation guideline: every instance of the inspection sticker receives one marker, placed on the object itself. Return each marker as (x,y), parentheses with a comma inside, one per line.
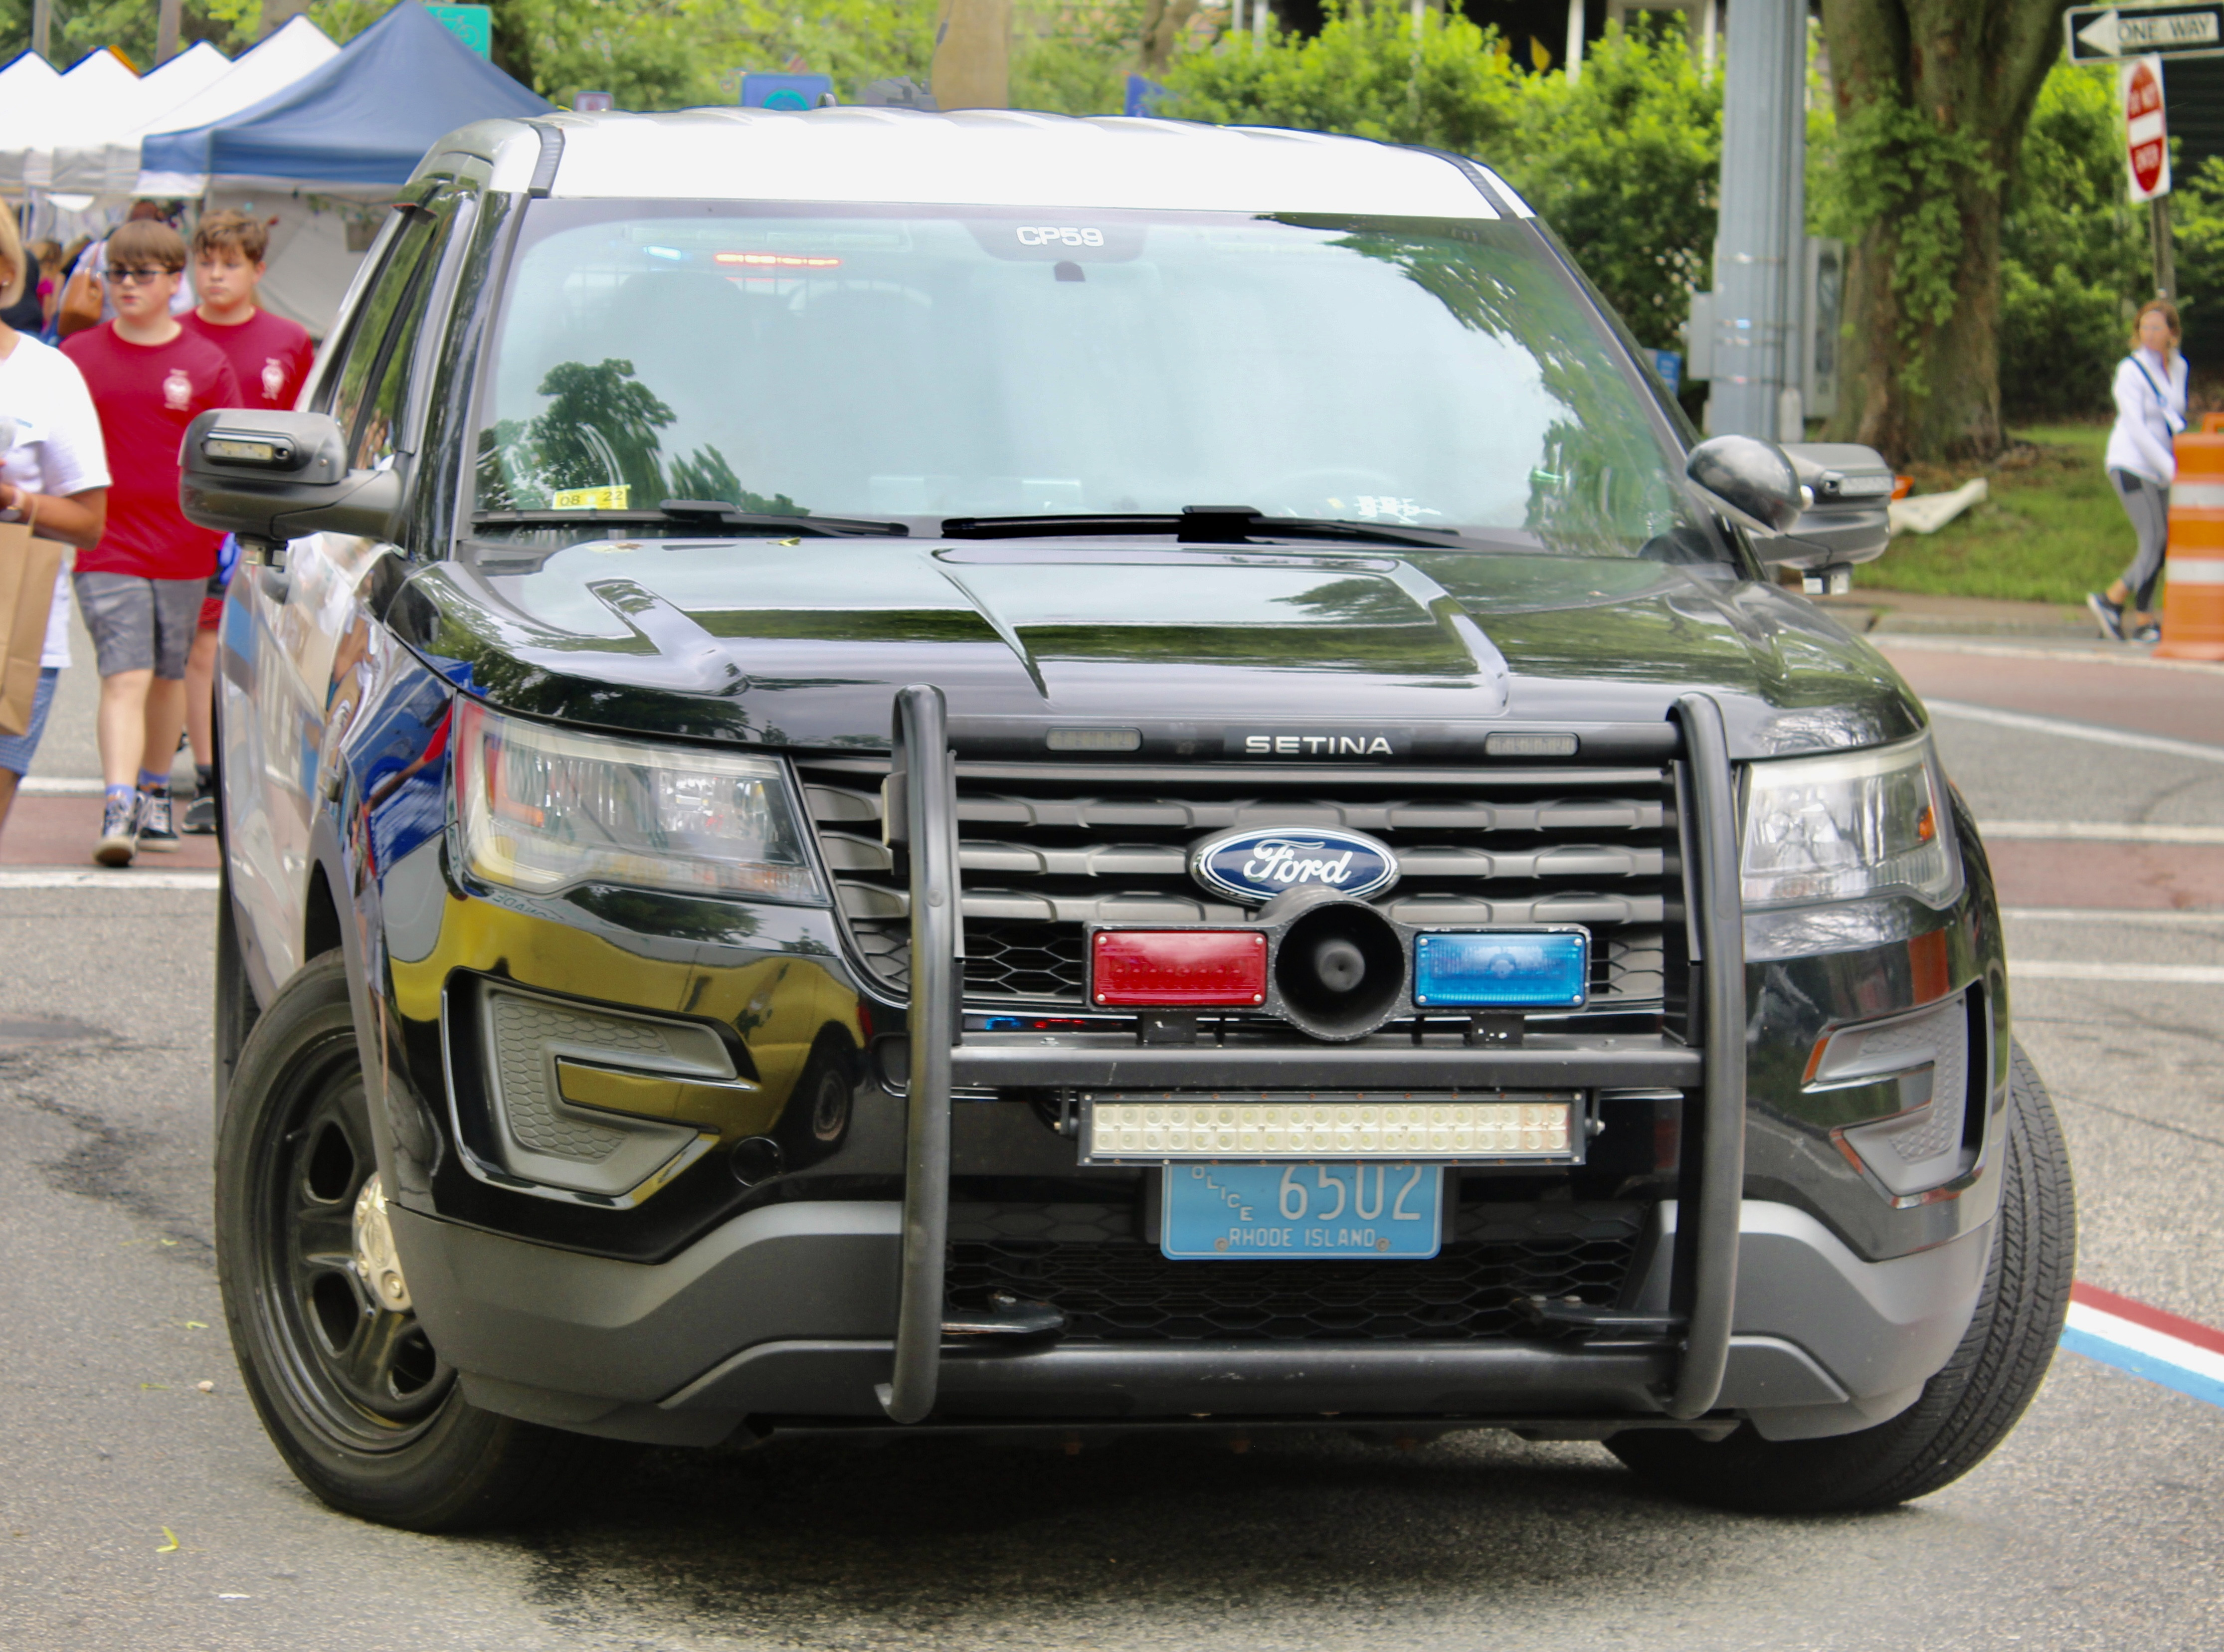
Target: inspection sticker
(2179,1353)
(613,498)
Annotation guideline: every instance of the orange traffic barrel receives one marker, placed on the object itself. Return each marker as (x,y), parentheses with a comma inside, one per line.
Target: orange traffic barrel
(2193,576)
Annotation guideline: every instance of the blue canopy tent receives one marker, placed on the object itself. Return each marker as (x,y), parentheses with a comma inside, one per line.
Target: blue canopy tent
(365,118)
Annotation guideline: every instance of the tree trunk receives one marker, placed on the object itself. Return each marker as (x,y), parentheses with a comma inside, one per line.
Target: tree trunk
(1162,23)
(1942,90)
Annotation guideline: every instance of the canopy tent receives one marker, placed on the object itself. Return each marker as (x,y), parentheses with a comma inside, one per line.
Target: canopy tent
(85,121)
(365,118)
(271,67)
(29,114)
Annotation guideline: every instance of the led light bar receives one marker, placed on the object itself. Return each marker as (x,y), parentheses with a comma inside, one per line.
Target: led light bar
(1178,968)
(1126,1127)
(1502,970)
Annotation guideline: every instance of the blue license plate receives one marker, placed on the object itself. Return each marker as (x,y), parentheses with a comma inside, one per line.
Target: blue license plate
(1293,1211)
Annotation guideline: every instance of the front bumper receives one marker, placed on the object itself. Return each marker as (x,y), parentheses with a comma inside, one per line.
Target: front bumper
(787,1313)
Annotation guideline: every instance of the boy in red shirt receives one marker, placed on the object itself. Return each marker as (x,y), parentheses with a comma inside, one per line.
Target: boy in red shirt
(271,356)
(140,588)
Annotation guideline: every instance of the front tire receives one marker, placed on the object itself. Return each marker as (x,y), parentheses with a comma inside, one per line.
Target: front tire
(349,1390)
(1966,1411)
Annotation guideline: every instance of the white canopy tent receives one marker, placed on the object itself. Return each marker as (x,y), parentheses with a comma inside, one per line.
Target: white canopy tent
(78,160)
(268,69)
(30,89)
(99,87)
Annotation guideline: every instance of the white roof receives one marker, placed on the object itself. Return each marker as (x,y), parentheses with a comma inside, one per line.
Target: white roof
(268,69)
(979,157)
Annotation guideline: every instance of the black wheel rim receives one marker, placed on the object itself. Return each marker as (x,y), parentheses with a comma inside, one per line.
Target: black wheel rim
(363,1375)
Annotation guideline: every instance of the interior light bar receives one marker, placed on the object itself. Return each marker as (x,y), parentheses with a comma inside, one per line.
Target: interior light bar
(1179,968)
(1502,970)
(1124,1127)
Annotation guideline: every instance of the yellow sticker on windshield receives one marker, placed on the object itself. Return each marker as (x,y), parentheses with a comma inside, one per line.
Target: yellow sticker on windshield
(591,498)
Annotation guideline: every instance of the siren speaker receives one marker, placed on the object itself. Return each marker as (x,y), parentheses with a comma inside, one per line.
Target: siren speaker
(1339,967)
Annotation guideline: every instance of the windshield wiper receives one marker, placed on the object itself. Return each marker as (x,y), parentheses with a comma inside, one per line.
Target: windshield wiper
(1198,525)
(710,513)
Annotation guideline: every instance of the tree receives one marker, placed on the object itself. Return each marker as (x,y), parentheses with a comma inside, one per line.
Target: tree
(1933,97)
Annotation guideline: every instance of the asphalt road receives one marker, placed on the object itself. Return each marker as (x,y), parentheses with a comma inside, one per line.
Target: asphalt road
(138,1512)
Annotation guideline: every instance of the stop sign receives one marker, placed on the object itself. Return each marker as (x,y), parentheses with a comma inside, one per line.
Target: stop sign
(2145,137)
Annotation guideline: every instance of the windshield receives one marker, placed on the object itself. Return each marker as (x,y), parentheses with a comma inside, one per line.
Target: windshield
(921,363)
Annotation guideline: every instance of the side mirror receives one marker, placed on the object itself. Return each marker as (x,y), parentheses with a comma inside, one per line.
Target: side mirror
(1749,478)
(275,476)
(1850,521)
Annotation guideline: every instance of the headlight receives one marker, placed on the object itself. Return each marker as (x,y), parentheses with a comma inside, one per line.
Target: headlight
(1852,824)
(545,808)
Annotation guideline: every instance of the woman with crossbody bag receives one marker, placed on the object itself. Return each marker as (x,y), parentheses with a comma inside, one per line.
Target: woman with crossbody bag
(2150,395)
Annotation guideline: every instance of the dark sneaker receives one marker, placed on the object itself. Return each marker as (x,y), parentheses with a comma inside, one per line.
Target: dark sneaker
(155,831)
(199,818)
(119,836)
(2110,614)
(2149,633)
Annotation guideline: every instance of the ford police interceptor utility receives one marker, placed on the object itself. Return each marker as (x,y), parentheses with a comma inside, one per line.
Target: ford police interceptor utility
(984,772)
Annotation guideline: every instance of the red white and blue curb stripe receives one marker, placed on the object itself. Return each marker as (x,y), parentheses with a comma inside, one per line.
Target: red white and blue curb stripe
(2178,1354)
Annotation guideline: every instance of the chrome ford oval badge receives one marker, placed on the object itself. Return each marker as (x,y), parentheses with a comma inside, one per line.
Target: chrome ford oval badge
(1254,866)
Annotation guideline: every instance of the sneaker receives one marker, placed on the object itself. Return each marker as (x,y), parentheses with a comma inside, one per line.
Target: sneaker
(199,818)
(119,837)
(2148,633)
(2110,614)
(155,831)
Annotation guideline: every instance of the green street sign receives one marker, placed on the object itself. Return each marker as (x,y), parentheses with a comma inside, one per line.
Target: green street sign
(473,25)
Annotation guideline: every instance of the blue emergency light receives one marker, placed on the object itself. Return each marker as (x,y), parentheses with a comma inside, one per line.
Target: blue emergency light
(1502,970)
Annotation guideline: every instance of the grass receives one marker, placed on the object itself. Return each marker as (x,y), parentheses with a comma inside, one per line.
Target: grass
(2051,530)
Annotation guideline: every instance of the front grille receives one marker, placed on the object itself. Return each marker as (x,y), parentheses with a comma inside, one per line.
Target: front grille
(1114,1286)
(1045,850)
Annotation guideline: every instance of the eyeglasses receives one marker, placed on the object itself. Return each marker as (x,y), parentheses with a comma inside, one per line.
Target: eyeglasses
(130,277)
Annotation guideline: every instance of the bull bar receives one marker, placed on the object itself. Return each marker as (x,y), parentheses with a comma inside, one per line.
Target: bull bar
(921,804)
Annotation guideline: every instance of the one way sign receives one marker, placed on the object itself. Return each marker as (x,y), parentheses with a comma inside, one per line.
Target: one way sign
(2108,33)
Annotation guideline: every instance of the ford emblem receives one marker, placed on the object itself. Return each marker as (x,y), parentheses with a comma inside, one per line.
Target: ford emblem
(1254,866)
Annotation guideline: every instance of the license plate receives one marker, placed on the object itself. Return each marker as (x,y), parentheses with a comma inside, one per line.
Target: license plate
(1291,1211)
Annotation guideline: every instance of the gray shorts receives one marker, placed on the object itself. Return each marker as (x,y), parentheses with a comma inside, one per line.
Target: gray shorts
(138,624)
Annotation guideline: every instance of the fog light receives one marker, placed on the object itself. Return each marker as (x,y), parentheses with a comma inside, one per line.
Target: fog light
(1178,968)
(1510,970)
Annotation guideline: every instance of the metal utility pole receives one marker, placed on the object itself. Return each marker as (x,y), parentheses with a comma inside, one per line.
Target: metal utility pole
(42,28)
(166,30)
(1760,248)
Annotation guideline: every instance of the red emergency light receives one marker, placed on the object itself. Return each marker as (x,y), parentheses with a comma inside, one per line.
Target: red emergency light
(1179,968)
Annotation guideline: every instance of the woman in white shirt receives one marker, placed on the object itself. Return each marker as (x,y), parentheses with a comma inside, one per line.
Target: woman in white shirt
(53,471)
(2150,393)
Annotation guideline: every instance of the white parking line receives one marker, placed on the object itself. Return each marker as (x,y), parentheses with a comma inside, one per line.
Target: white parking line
(2099,831)
(101,877)
(2158,975)
(2107,654)
(49,785)
(2122,739)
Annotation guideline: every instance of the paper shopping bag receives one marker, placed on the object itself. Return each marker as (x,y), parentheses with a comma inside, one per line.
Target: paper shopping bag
(28,566)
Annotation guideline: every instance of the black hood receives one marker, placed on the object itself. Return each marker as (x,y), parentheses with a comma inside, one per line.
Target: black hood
(803,644)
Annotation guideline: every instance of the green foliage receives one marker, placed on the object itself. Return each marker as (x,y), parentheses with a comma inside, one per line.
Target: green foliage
(82,26)
(2074,253)
(1626,165)
(1368,73)
(1073,59)
(1623,164)
(2197,221)
(1897,165)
